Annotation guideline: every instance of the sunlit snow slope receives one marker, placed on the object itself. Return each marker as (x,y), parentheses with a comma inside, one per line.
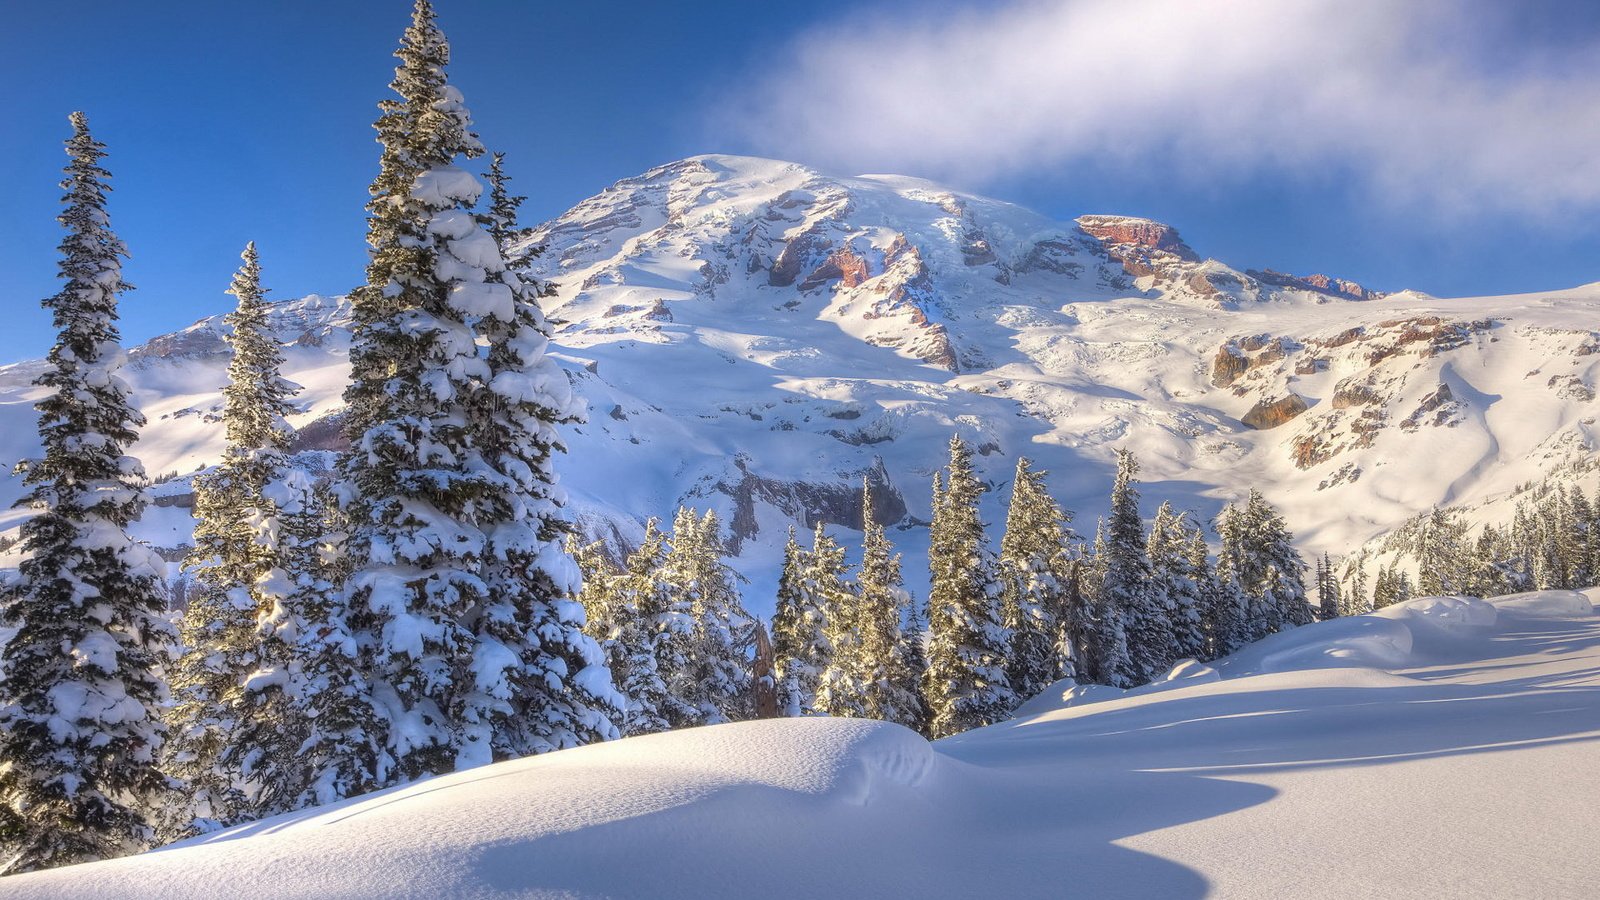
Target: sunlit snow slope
(756,336)
(1443,748)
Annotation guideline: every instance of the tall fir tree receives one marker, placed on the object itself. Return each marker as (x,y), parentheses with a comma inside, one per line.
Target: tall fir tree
(1126,590)
(1032,581)
(1330,605)
(323,746)
(1355,602)
(80,733)
(541,681)
(653,629)
(220,703)
(1075,629)
(1177,583)
(455,522)
(715,682)
(1280,589)
(965,684)
(1441,553)
(799,633)
(1209,595)
(1490,567)
(869,674)
(1229,620)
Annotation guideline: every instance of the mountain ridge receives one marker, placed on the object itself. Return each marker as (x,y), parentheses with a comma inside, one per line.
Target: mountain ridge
(757,336)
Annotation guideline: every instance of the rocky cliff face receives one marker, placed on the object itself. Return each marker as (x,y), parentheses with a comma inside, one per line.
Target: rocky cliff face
(758,337)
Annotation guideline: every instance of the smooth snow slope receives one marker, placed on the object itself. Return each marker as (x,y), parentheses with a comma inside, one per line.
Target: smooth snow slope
(1445,748)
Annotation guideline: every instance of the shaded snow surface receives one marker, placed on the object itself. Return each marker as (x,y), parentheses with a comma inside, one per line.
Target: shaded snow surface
(1442,748)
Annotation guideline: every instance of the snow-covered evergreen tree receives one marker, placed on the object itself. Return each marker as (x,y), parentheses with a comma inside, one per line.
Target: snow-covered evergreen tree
(601,598)
(799,637)
(1032,578)
(542,683)
(868,674)
(1281,589)
(1209,595)
(1126,592)
(1329,603)
(652,629)
(1075,630)
(1229,620)
(1441,553)
(1258,556)
(80,735)
(1490,569)
(1385,589)
(1355,601)
(458,583)
(215,721)
(1177,582)
(965,684)
(334,751)
(913,650)
(715,683)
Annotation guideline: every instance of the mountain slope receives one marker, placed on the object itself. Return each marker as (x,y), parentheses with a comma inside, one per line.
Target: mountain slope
(757,336)
(1442,748)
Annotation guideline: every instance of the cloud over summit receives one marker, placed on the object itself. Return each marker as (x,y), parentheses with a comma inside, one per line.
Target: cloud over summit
(1424,102)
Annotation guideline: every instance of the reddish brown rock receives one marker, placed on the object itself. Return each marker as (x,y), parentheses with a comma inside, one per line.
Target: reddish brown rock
(1228,366)
(796,255)
(1272,413)
(1139,233)
(843,265)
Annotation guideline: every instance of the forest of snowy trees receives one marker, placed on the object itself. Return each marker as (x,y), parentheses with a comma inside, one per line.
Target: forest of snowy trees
(427,606)
(996,629)
(1552,542)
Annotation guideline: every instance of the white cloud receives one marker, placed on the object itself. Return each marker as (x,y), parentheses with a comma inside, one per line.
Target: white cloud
(1413,96)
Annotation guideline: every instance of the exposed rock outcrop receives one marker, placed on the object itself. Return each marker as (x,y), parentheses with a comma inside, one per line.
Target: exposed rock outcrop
(1272,413)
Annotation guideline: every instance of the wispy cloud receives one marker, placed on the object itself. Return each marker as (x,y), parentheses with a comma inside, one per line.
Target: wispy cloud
(1421,100)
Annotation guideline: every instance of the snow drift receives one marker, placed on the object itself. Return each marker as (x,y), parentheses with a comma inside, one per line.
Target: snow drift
(1442,747)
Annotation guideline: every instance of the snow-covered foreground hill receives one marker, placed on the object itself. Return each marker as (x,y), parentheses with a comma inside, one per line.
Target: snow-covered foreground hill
(1446,747)
(755,336)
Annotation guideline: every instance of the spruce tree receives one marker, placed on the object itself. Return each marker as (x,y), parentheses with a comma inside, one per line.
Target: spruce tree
(1126,590)
(652,628)
(470,649)
(1229,620)
(966,684)
(1489,569)
(868,674)
(1209,595)
(541,681)
(601,598)
(715,682)
(1355,602)
(79,731)
(1032,581)
(1075,631)
(1178,583)
(1280,590)
(326,746)
(1385,588)
(799,633)
(1441,554)
(220,697)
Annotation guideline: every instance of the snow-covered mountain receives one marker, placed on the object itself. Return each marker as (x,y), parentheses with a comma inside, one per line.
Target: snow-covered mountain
(1442,747)
(756,336)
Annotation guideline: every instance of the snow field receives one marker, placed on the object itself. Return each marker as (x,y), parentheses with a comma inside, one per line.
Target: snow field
(1442,748)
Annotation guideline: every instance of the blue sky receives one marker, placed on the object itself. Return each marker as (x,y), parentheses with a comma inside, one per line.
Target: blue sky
(232,122)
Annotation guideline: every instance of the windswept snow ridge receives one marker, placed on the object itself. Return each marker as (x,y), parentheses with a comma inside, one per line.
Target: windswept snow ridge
(1444,747)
